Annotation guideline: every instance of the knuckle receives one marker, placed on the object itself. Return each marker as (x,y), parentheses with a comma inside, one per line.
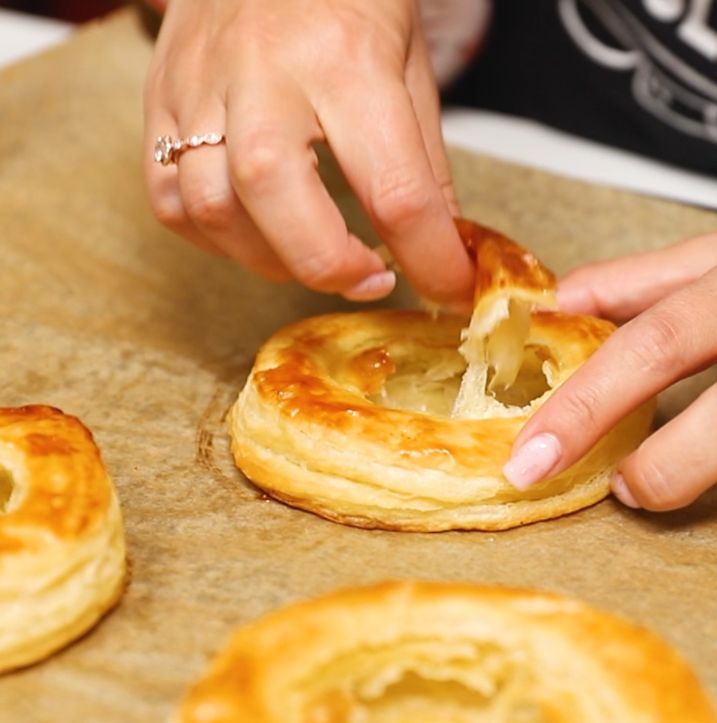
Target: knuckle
(660,346)
(347,37)
(337,40)
(654,488)
(210,208)
(258,158)
(399,196)
(167,210)
(580,411)
(322,271)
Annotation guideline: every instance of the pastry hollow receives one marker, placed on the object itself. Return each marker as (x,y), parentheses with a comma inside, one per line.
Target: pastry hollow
(445,653)
(62,551)
(401,420)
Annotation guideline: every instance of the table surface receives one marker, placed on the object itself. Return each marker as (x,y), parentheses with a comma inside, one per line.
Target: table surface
(148,340)
(505,137)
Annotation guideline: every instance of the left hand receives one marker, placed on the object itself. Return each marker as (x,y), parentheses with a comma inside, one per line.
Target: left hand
(277,78)
(672,295)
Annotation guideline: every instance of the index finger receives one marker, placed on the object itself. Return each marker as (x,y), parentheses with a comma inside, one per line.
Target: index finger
(621,288)
(378,143)
(270,129)
(675,338)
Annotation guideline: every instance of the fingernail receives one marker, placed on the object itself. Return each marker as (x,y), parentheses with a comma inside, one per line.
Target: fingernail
(622,492)
(372,287)
(533,461)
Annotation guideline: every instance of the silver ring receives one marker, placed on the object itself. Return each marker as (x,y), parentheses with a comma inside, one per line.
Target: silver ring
(167,149)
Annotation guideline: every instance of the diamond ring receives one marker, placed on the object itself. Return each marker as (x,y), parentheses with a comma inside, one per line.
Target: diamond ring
(167,149)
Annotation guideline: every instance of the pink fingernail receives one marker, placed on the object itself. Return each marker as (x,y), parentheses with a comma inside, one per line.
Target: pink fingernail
(533,461)
(372,287)
(622,492)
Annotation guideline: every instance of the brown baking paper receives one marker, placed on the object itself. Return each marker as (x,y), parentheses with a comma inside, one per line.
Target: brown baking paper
(148,340)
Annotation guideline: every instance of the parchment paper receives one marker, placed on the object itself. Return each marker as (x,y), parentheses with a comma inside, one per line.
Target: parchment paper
(148,340)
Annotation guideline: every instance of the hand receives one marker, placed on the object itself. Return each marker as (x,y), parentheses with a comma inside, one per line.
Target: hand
(672,293)
(277,78)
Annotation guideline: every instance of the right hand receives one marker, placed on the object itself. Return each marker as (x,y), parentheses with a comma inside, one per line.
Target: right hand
(277,77)
(669,296)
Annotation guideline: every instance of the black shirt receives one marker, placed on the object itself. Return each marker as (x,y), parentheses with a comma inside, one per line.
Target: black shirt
(637,74)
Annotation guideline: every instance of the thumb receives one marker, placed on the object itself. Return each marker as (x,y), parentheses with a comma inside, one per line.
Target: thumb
(622,288)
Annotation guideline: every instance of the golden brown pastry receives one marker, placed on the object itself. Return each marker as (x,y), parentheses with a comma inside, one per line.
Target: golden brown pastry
(62,553)
(399,420)
(445,653)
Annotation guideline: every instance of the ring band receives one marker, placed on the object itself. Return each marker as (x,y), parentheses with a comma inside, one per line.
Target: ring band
(167,149)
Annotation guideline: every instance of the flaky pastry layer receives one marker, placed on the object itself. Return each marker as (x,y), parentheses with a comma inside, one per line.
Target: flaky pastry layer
(349,416)
(445,653)
(62,550)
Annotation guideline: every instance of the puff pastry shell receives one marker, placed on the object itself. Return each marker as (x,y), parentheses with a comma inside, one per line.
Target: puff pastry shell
(62,552)
(401,420)
(445,653)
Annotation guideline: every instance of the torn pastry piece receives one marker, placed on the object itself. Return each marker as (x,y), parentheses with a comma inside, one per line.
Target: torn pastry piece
(395,420)
(510,284)
(445,653)
(62,550)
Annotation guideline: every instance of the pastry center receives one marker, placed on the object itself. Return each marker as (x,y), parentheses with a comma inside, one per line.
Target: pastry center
(432,386)
(423,385)
(504,373)
(414,698)
(417,681)
(529,384)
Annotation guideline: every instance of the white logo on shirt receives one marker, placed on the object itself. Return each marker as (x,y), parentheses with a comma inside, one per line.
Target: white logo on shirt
(662,83)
